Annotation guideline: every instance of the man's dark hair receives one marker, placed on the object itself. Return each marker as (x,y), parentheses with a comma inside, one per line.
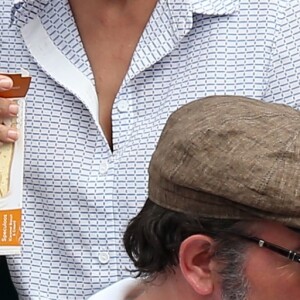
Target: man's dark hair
(153,237)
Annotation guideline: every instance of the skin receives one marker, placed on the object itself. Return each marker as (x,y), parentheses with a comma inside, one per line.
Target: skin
(110,31)
(7,109)
(270,275)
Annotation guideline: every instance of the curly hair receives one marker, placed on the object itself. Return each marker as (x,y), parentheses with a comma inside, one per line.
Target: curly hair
(153,238)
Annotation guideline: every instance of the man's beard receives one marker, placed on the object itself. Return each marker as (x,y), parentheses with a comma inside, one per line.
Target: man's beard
(235,285)
(235,288)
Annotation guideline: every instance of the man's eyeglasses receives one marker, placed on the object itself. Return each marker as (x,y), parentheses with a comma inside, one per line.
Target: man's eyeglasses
(289,254)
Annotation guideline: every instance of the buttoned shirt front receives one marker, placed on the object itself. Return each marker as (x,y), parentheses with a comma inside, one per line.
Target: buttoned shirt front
(78,195)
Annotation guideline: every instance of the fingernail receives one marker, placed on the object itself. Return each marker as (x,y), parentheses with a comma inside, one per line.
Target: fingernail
(5,84)
(12,135)
(13,109)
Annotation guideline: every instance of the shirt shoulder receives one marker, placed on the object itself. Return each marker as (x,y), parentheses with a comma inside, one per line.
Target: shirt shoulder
(126,289)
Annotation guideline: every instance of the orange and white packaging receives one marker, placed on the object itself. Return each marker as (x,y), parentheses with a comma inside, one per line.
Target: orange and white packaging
(11,170)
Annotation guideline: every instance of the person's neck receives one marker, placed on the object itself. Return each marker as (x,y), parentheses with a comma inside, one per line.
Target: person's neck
(172,286)
(112,10)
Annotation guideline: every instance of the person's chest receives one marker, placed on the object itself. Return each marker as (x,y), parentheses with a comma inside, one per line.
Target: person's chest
(179,58)
(110,34)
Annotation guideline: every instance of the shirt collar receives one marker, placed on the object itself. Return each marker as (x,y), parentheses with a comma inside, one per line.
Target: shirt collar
(215,7)
(24,10)
(206,7)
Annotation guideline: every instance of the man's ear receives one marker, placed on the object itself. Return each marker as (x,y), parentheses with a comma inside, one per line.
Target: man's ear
(195,261)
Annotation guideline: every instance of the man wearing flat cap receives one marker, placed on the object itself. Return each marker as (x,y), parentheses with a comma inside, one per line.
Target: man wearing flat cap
(222,221)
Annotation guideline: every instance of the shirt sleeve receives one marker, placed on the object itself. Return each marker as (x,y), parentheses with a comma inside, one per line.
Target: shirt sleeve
(284,71)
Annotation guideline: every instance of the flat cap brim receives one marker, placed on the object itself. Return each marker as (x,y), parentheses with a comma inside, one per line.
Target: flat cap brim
(230,157)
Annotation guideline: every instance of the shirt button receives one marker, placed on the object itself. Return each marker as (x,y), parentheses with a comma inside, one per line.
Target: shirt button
(104,165)
(104,257)
(123,106)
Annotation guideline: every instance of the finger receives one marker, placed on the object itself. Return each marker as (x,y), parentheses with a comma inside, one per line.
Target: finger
(8,134)
(8,108)
(5,83)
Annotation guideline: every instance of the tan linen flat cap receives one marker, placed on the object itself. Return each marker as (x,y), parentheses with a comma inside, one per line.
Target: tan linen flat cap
(229,157)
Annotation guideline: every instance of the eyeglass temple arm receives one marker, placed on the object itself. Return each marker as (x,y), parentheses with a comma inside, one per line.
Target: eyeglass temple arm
(291,255)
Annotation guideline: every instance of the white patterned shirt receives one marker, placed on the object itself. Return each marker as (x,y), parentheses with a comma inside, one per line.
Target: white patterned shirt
(125,289)
(78,195)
